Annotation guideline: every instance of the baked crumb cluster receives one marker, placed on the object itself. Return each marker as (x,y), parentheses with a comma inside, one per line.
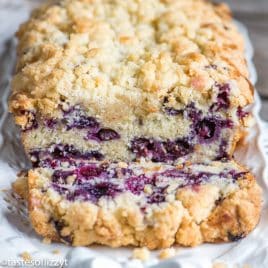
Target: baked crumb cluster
(130,112)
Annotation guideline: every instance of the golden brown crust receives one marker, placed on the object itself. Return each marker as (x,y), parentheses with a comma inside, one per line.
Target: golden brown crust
(236,216)
(20,186)
(205,219)
(151,49)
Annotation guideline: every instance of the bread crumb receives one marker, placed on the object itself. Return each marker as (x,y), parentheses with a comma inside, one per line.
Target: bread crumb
(179,166)
(122,164)
(219,265)
(148,189)
(246,266)
(55,251)
(167,253)
(46,240)
(26,256)
(142,254)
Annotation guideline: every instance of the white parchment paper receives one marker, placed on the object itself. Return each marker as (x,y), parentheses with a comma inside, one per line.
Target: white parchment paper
(16,234)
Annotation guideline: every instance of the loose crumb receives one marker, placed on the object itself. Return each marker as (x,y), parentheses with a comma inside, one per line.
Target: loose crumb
(142,254)
(56,251)
(122,165)
(46,240)
(26,256)
(246,266)
(219,265)
(148,189)
(167,253)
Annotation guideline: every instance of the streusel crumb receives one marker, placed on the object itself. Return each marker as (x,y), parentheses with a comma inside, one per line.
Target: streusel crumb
(142,254)
(167,253)
(26,256)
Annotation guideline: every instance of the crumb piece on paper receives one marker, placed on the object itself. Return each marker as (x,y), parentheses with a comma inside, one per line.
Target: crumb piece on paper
(219,265)
(46,240)
(55,251)
(26,256)
(246,266)
(142,254)
(167,253)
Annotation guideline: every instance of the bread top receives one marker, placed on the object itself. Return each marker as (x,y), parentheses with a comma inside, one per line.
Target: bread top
(117,58)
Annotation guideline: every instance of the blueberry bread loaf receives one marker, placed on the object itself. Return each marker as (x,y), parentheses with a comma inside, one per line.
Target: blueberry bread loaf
(143,204)
(130,112)
(123,80)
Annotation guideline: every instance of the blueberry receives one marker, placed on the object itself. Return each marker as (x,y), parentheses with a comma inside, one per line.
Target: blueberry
(76,118)
(83,122)
(59,225)
(106,134)
(178,148)
(136,184)
(140,146)
(32,121)
(57,153)
(157,197)
(94,192)
(223,101)
(89,171)
(241,113)
(160,151)
(235,237)
(206,129)
(60,176)
(60,189)
(209,128)
(222,154)
(193,113)
(172,111)
(50,123)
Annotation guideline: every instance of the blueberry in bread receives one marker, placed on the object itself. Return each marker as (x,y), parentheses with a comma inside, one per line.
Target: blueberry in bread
(143,204)
(127,79)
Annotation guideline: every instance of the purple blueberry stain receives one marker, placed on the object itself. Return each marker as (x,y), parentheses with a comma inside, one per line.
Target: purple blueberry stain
(106,134)
(94,192)
(158,196)
(89,171)
(172,111)
(136,184)
(60,176)
(241,113)
(50,123)
(75,118)
(209,129)
(55,154)
(59,225)
(235,237)
(31,120)
(193,113)
(222,153)
(223,100)
(94,181)
(160,151)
